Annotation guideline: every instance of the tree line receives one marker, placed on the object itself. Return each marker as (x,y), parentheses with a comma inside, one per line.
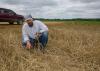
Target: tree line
(77,19)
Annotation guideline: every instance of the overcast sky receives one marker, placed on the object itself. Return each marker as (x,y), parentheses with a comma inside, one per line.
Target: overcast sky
(55,8)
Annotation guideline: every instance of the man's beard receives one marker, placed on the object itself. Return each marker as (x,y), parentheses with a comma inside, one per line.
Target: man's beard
(30,25)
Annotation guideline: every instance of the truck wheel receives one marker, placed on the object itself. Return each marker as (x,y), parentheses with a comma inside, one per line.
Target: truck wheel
(19,22)
(11,22)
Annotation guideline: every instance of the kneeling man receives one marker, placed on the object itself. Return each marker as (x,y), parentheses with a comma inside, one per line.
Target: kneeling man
(32,29)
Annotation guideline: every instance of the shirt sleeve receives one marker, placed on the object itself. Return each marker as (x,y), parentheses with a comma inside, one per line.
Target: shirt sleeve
(42,27)
(24,33)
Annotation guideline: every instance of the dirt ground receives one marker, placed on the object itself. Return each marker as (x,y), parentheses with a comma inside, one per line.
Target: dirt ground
(71,47)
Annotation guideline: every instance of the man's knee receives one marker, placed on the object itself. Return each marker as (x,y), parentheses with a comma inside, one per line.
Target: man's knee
(44,38)
(45,33)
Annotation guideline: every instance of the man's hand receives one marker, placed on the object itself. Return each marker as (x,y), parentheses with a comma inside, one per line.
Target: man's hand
(28,45)
(38,34)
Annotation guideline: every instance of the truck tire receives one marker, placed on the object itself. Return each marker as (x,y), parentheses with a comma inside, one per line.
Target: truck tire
(11,23)
(19,22)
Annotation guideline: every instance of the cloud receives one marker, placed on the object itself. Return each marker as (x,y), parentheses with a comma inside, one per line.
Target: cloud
(55,8)
(85,1)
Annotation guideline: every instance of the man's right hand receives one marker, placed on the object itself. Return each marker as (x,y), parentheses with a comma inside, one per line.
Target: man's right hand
(38,34)
(28,45)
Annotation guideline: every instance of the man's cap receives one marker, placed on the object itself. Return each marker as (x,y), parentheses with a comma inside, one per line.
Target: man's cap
(27,17)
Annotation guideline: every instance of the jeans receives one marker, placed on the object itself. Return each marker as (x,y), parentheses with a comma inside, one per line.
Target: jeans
(43,39)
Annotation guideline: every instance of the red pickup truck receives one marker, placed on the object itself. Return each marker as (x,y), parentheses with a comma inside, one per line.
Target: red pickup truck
(7,15)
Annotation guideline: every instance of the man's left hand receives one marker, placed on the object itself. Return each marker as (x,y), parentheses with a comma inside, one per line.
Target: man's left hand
(38,34)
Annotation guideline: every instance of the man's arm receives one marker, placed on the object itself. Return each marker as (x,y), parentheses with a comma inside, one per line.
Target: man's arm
(42,27)
(25,37)
(24,33)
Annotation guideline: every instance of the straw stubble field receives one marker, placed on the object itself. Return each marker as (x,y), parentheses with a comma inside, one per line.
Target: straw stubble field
(71,47)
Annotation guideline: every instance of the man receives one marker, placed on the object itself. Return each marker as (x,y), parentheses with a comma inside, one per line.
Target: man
(32,29)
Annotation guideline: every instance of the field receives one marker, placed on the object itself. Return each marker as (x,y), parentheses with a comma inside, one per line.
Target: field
(72,46)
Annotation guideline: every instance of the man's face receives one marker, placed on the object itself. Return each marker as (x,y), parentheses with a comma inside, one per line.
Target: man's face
(29,21)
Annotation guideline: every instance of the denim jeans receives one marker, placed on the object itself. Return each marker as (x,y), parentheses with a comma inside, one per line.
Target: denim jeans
(43,39)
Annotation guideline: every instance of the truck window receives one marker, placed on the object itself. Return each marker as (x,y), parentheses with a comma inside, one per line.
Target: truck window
(1,11)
